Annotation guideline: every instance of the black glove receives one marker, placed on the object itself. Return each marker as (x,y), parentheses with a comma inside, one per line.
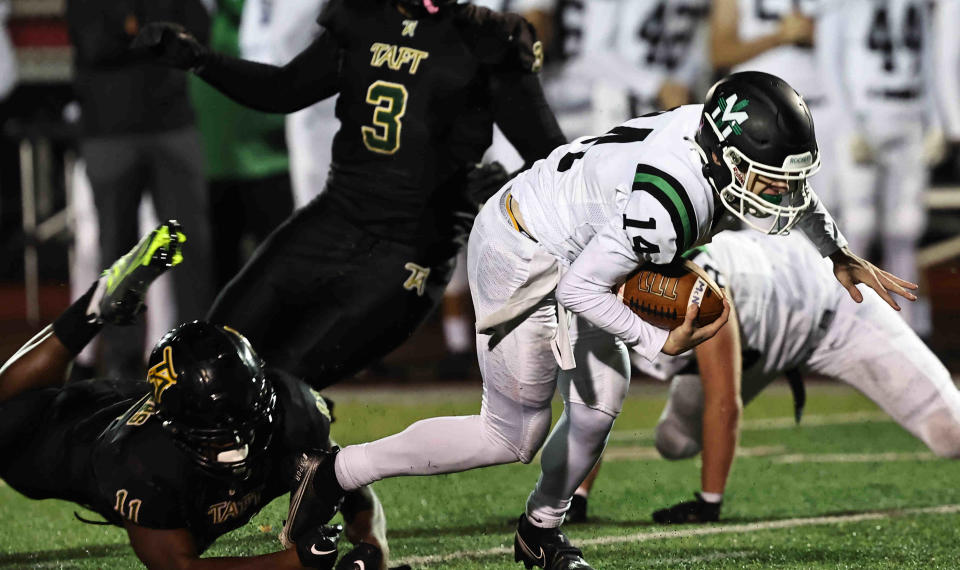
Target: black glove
(484,180)
(689,512)
(317,547)
(169,44)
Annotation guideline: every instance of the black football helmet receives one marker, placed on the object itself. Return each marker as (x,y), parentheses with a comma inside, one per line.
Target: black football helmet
(759,148)
(429,6)
(212,397)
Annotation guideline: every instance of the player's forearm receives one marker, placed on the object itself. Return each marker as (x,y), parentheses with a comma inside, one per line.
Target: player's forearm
(720,424)
(365,519)
(728,52)
(821,229)
(596,303)
(719,361)
(282,560)
(309,78)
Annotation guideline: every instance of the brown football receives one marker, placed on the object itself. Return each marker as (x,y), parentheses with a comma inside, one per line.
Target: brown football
(660,294)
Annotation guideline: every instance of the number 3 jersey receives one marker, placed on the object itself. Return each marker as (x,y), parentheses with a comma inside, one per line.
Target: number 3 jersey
(417,106)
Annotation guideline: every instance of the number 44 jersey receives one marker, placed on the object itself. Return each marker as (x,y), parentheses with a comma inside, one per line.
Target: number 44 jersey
(638,188)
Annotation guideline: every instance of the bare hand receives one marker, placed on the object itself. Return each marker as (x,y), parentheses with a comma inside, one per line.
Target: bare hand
(689,335)
(795,28)
(851,269)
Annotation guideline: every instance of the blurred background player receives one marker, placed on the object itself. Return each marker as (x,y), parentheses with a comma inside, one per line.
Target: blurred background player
(8,61)
(777,36)
(946,73)
(247,166)
(790,314)
(194,452)
(275,31)
(876,61)
(139,136)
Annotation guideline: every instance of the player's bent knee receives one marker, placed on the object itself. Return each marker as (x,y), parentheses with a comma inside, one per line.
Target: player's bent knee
(520,434)
(941,433)
(673,442)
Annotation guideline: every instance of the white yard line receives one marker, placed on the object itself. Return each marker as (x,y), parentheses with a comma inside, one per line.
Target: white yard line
(700,531)
(771,423)
(854,457)
(622,453)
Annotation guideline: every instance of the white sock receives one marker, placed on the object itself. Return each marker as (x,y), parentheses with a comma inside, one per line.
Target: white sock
(711,497)
(458,333)
(428,447)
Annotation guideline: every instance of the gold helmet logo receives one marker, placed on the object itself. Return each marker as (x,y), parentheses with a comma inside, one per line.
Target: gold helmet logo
(162,375)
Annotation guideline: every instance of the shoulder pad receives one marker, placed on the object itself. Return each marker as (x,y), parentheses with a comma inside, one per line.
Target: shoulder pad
(504,40)
(304,412)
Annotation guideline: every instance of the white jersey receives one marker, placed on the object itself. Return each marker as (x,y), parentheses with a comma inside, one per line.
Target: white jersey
(879,52)
(946,70)
(631,44)
(645,172)
(794,64)
(784,292)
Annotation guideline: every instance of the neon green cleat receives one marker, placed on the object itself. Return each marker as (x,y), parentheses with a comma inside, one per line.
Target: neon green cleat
(122,287)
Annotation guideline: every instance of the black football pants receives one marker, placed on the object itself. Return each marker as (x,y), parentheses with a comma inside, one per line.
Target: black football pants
(322,298)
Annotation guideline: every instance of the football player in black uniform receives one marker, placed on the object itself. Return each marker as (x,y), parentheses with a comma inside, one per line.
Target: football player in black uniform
(210,440)
(420,84)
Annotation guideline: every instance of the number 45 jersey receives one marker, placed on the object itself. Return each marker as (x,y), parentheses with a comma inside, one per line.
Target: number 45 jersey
(638,186)
(415,103)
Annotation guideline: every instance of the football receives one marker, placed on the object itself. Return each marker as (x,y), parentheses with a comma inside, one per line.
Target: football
(660,294)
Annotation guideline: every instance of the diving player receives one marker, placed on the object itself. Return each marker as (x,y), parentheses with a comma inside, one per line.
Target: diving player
(194,452)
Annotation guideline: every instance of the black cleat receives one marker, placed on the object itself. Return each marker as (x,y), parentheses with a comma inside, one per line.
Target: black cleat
(317,497)
(698,511)
(122,287)
(578,510)
(546,548)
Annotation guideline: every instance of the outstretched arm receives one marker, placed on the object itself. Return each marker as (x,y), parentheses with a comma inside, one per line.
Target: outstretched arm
(308,78)
(175,549)
(522,113)
(720,367)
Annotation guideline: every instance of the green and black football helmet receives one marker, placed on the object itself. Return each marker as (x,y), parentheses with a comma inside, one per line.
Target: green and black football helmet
(759,148)
(212,397)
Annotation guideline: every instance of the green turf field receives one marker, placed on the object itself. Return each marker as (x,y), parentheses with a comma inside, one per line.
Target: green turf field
(849,489)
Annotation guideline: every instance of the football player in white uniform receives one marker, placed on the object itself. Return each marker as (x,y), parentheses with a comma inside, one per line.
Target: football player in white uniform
(556,240)
(625,56)
(876,57)
(791,315)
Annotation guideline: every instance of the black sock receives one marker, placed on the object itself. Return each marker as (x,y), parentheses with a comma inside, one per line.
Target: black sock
(73,326)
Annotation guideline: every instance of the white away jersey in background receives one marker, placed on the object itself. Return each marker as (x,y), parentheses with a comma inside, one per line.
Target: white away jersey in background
(883,54)
(781,288)
(794,64)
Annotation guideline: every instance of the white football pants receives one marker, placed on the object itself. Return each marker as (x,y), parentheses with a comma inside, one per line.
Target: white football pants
(520,376)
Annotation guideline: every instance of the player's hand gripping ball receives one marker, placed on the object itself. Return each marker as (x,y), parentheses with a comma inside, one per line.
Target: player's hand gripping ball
(660,294)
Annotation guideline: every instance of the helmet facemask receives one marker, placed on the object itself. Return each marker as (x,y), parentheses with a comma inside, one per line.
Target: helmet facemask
(770,199)
(227,447)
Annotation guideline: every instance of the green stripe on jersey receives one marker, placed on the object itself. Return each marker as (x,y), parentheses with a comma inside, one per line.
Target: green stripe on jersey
(673,198)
